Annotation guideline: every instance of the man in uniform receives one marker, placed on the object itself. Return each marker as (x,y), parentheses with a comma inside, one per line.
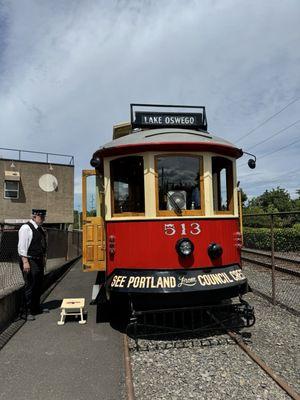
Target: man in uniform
(32,249)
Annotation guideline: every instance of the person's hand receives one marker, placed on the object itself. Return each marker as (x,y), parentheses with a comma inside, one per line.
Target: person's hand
(26,266)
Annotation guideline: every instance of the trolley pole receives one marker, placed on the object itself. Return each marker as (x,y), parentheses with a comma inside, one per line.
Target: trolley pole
(272,260)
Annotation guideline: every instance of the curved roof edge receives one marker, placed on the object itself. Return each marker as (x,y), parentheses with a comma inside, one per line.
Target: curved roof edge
(168,140)
(125,149)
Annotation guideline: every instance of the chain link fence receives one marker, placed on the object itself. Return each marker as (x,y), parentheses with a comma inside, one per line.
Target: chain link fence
(271,256)
(63,246)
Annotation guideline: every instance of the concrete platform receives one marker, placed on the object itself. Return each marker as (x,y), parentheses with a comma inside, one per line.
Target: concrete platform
(79,362)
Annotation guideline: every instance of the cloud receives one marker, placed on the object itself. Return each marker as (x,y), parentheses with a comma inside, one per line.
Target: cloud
(69,70)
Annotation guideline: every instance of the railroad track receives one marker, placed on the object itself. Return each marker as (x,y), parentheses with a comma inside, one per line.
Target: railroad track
(238,338)
(233,335)
(283,264)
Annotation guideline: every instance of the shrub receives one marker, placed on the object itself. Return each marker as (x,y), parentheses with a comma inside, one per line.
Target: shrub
(285,239)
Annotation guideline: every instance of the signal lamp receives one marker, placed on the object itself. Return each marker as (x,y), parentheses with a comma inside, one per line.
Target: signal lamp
(184,247)
(214,251)
(251,163)
(95,162)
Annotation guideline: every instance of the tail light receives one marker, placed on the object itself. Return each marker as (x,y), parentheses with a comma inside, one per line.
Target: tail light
(238,240)
(112,245)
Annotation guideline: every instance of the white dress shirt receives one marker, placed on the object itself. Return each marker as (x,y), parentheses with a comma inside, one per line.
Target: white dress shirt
(25,238)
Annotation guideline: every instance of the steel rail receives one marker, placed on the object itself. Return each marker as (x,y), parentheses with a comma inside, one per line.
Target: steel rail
(255,357)
(260,253)
(128,370)
(268,265)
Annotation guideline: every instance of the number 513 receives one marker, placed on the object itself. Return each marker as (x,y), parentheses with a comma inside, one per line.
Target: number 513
(193,229)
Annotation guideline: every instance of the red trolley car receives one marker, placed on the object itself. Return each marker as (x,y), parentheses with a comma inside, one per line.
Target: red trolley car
(164,226)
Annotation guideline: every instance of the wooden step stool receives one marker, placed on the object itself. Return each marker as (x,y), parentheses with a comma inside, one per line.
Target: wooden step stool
(71,307)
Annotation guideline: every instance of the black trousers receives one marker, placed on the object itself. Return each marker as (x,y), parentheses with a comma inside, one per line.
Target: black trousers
(33,284)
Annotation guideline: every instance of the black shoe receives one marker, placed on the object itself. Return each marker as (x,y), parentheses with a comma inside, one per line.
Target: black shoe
(30,317)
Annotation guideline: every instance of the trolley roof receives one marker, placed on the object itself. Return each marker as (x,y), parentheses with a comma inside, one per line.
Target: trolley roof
(168,139)
(165,131)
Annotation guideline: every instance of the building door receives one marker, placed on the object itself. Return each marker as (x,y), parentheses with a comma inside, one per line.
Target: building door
(93,228)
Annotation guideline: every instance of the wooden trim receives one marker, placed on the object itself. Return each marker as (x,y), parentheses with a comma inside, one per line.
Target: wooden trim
(85,174)
(112,197)
(128,214)
(201,211)
(229,188)
(229,212)
(164,213)
(172,218)
(229,184)
(240,212)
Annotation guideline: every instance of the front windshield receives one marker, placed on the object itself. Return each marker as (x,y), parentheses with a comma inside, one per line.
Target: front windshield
(179,182)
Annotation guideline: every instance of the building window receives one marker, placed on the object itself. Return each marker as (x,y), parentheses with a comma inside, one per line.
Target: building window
(11,190)
(127,183)
(180,185)
(222,172)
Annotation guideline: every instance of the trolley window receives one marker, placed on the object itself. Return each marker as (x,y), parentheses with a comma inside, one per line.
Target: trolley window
(180,185)
(222,173)
(127,180)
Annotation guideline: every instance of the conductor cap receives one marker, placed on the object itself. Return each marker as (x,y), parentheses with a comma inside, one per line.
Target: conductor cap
(36,211)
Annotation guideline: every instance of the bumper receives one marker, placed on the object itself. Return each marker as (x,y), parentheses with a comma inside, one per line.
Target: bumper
(204,281)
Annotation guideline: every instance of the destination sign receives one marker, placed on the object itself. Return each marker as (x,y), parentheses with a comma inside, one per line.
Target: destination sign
(177,120)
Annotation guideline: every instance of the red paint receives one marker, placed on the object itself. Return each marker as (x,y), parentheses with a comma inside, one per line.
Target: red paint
(144,244)
(124,149)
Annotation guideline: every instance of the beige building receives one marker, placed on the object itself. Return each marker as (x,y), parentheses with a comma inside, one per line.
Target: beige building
(34,184)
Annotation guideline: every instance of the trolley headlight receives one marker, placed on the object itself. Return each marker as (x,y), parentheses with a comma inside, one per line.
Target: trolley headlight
(95,162)
(214,251)
(184,247)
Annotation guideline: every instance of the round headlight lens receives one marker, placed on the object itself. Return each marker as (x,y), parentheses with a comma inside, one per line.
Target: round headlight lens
(184,247)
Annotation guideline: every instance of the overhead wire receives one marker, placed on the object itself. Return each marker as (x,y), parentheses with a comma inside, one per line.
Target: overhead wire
(275,134)
(278,177)
(282,148)
(267,120)
(275,151)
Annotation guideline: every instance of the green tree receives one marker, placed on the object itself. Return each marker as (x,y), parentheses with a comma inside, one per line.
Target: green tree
(273,201)
(276,200)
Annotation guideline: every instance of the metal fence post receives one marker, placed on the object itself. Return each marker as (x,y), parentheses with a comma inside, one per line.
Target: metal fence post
(273,261)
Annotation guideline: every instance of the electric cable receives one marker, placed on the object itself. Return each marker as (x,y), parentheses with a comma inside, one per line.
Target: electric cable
(282,148)
(275,134)
(275,151)
(278,177)
(267,120)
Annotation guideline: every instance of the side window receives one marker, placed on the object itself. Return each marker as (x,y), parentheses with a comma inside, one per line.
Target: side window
(11,190)
(180,188)
(127,183)
(222,173)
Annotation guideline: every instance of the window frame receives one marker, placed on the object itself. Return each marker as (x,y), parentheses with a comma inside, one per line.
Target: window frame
(112,192)
(229,187)
(11,190)
(184,213)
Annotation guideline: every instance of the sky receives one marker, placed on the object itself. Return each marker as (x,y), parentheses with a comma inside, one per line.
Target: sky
(70,69)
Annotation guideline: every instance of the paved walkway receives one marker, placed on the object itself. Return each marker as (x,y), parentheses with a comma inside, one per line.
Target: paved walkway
(79,362)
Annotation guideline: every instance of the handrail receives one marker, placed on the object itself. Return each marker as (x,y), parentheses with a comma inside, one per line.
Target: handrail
(71,161)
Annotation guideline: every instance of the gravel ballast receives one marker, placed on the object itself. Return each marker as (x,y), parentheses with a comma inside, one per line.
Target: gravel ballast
(213,367)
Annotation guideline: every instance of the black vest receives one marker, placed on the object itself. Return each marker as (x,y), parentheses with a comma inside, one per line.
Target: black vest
(38,245)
